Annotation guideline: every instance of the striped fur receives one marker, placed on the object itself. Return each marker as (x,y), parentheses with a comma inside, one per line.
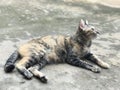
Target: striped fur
(39,52)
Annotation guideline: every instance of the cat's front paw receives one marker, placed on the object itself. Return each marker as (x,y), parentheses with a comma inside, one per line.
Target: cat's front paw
(95,69)
(105,65)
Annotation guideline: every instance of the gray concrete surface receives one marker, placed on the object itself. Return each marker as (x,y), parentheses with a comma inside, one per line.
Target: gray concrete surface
(22,20)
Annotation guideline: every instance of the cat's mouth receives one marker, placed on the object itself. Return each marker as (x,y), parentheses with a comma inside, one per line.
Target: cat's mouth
(94,35)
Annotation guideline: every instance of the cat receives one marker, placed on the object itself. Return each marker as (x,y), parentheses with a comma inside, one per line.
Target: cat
(37,53)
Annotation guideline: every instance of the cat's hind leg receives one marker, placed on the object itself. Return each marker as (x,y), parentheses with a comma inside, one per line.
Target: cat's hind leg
(35,70)
(21,66)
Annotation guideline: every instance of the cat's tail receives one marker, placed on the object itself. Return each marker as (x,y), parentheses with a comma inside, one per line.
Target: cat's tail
(10,63)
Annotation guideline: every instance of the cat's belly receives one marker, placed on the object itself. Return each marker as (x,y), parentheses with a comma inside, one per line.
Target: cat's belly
(52,58)
(43,47)
(54,43)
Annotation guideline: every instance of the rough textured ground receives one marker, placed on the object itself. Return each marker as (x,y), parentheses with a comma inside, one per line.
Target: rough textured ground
(21,20)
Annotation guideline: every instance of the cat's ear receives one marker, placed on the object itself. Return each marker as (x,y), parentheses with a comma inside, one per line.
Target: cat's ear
(81,24)
(86,22)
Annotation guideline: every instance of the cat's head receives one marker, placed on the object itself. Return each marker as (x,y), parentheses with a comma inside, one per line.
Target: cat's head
(87,30)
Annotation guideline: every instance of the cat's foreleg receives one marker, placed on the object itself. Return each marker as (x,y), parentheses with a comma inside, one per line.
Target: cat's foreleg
(97,61)
(83,64)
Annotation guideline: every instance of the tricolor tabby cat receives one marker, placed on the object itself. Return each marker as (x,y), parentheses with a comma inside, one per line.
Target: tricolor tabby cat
(37,53)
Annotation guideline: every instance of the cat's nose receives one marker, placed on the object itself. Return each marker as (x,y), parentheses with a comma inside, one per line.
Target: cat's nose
(97,32)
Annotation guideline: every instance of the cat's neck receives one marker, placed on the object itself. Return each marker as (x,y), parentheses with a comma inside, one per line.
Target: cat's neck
(80,38)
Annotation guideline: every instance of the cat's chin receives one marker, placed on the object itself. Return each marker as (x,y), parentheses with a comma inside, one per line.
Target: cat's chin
(92,36)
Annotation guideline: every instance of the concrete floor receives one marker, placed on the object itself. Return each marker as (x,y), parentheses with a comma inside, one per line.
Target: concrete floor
(22,20)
